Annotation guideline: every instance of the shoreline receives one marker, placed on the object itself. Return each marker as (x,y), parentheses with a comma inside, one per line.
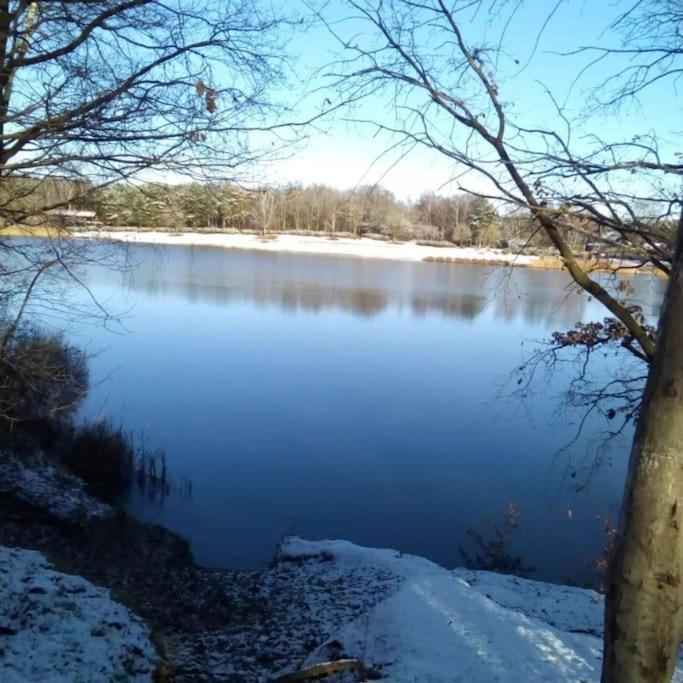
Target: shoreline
(345,246)
(361,247)
(319,605)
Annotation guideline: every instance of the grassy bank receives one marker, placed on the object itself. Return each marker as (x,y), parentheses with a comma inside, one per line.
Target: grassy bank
(591,265)
(367,246)
(50,231)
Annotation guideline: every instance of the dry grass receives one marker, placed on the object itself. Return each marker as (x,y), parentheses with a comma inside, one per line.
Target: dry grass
(553,263)
(478,261)
(34,231)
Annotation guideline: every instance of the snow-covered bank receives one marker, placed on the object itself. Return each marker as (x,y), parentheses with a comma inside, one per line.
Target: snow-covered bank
(398,616)
(362,247)
(60,628)
(445,626)
(405,618)
(36,480)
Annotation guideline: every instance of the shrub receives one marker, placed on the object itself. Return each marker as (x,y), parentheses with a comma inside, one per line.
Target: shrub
(103,457)
(434,243)
(43,380)
(493,553)
(106,458)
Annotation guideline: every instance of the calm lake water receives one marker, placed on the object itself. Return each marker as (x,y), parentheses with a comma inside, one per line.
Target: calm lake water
(340,397)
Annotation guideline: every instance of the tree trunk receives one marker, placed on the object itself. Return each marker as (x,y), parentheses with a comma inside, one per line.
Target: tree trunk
(643,607)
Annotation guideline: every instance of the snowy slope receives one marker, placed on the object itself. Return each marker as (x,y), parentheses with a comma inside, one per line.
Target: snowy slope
(39,482)
(403,616)
(57,628)
(445,626)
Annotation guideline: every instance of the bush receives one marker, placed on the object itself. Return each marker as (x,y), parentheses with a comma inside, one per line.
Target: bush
(493,554)
(434,243)
(107,460)
(43,380)
(103,457)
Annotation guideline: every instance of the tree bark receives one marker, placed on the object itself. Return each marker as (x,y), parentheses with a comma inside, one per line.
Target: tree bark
(643,616)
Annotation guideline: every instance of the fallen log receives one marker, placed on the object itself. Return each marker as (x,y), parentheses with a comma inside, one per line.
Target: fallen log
(325,669)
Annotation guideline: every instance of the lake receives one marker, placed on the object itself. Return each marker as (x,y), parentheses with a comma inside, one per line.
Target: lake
(337,397)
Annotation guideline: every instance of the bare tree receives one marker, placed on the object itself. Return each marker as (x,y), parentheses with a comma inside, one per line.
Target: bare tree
(447,98)
(97,92)
(448,95)
(644,615)
(647,52)
(264,210)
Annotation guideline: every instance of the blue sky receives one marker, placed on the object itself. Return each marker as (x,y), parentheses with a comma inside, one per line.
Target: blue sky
(344,154)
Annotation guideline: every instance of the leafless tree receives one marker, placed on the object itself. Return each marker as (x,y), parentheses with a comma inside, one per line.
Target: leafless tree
(264,209)
(97,92)
(647,52)
(643,624)
(449,95)
(448,99)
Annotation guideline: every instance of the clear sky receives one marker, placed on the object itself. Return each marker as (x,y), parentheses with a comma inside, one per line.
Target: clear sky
(344,154)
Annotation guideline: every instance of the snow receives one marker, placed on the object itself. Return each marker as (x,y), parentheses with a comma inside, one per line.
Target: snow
(57,628)
(36,480)
(361,247)
(581,609)
(447,626)
(404,617)
(282,614)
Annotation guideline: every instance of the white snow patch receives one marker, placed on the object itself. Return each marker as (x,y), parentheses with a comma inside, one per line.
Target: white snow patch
(36,480)
(581,612)
(344,246)
(444,626)
(58,628)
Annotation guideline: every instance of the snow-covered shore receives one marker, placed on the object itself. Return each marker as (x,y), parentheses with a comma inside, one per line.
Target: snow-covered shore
(361,247)
(404,617)
(60,628)
(39,482)
(441,626)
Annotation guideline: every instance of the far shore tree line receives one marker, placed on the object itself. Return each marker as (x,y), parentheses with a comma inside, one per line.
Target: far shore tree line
(460,219)
(367,210)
